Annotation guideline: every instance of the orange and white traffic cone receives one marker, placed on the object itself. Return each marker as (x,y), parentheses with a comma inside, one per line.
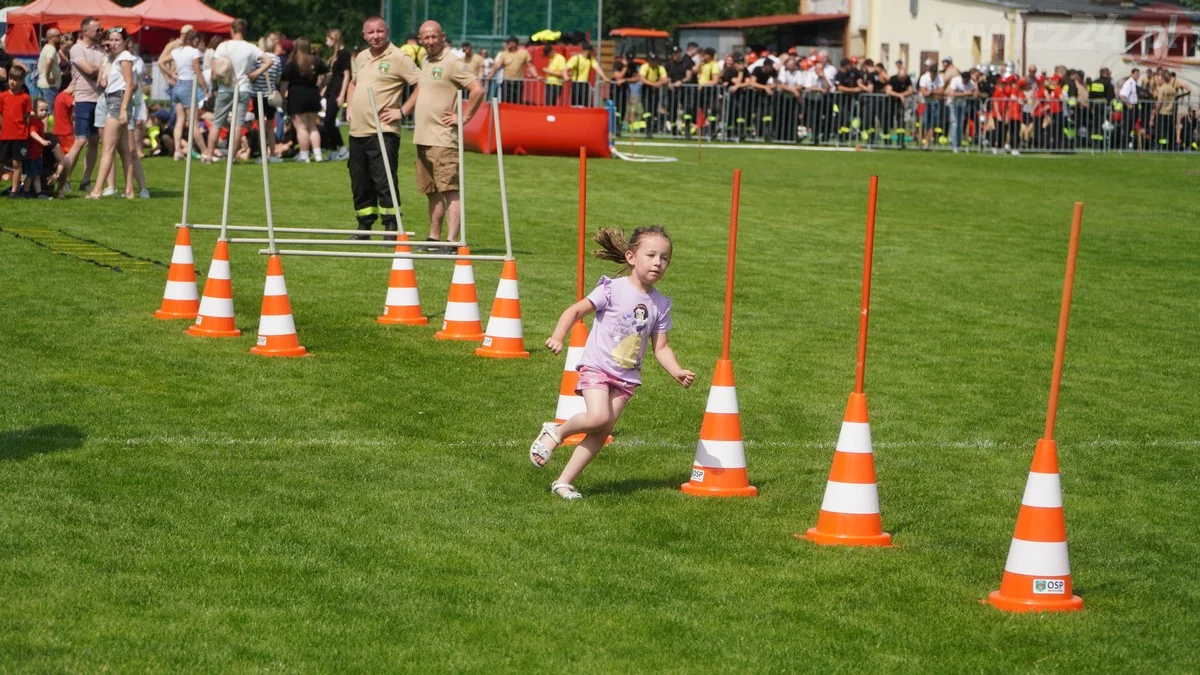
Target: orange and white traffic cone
(570,403)
(180,299)
(850,511)
(505,337)
(461,321)
(216,307)
(1037,575)
(719,469)
(276,327)
(403,304)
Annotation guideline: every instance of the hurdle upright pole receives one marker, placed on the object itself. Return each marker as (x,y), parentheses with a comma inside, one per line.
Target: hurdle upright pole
(861,364)
(1064,316)
(462,175)
(262,151)
(733,228)
(582,255)
(187,165)
(503,185)
(387,164)
(231,152)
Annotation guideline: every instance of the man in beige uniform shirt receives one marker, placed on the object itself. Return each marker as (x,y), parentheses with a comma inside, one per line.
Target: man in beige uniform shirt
(384,68)
(436,127)
(517,64)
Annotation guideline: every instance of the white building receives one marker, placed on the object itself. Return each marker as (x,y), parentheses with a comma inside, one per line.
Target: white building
(1082,34)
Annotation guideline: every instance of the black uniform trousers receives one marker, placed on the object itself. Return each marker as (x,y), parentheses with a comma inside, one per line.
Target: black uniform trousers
(368,180)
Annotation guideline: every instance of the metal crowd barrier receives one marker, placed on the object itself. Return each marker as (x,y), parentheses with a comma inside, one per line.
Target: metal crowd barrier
(884,121)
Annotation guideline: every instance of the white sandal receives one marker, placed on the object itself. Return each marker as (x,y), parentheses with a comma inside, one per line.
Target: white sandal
(569,494)
(540,450)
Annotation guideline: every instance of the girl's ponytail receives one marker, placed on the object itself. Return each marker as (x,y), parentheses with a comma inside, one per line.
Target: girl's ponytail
(612,245)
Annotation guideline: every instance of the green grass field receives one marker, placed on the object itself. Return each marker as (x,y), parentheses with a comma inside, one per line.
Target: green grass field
(172,503)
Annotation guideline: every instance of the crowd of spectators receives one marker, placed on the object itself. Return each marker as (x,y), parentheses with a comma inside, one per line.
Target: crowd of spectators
(58,115)
(793,97)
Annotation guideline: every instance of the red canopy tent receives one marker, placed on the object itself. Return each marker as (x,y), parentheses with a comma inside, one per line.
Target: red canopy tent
(175,14)
(65,15)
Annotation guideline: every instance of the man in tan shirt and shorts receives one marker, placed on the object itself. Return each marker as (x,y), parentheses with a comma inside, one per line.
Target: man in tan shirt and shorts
(517,63)
(442,76)
(384,68)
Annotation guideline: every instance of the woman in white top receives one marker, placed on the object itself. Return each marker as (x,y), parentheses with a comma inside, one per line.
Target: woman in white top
(186,62)
(119,83)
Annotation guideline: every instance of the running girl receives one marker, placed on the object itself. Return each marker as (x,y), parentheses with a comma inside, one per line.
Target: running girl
(630,314)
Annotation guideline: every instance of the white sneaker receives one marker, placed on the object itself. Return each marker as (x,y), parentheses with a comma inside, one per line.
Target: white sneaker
(145,194)
(108,192)
(67,189)
(1016,153)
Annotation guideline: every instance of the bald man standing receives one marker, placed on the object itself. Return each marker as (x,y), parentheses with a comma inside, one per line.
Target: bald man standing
(49,72)
(384,68)
(443,75)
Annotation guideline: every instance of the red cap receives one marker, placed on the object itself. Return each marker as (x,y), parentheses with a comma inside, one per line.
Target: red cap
(792,51)
(854,59)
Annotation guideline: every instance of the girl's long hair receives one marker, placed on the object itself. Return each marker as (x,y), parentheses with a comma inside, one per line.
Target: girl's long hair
(338,45)
(303,56)
(613,244)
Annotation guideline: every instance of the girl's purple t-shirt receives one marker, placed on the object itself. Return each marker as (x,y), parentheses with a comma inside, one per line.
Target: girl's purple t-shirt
(625,320)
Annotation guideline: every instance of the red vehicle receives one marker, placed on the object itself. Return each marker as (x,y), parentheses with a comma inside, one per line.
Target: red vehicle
(642,42)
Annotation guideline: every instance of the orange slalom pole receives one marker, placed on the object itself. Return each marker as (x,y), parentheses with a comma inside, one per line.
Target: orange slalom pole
(579,281)
(1064,316)
(719,469)
(861,366)
(1037,573)
(733,227)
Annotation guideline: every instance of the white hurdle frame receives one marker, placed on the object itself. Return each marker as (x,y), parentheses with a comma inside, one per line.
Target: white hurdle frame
(235,139)
(262,153)
(271,241)
(191,141)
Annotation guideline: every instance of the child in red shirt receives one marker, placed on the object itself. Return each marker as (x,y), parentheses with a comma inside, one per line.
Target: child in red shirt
(36,144)
(64,117)
(15,107)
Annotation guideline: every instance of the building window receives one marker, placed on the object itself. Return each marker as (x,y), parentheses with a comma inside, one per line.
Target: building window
(997,48)
(904,56)
(977,49)
(885,54)
(912,7)
(928,57)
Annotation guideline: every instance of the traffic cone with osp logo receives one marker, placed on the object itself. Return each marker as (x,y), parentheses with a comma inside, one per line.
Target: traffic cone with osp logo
(850,510)
(276,327)
(719,469)
(403,304)
(180,299)
(461,321)
(1037,575)
(216,307)
(505,337)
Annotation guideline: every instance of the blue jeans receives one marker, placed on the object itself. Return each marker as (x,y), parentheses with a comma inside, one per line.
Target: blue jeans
(957,118)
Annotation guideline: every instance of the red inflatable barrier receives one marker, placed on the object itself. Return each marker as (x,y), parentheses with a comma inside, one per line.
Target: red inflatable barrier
(538,130)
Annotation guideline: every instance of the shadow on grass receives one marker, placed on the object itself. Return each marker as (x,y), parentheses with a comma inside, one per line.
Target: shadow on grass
(631,485)
(22,444)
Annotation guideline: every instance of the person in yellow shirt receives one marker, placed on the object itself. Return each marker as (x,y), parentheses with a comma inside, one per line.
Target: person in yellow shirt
(553,73)
(654,77)
(580,68)
(413,49)
(708,76)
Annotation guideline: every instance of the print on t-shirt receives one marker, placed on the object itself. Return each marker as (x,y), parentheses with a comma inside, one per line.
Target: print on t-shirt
(628,331)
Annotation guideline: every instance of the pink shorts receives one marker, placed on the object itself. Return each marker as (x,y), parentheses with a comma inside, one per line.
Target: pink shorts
(594,378)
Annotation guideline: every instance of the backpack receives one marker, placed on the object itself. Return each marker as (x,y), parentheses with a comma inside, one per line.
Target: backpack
(222,71)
